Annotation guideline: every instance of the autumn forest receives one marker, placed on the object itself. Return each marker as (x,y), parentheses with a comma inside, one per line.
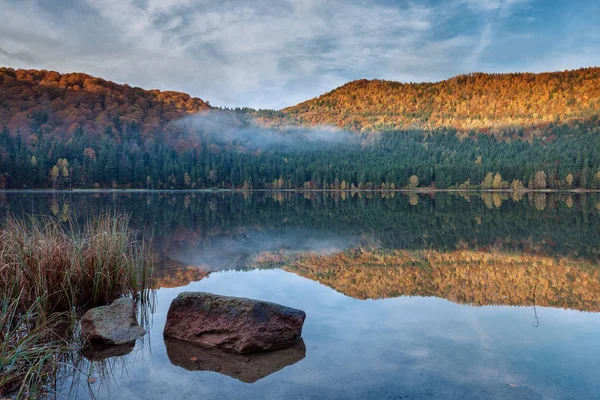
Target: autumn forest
(478,131)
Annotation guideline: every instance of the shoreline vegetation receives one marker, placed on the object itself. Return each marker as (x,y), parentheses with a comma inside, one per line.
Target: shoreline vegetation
(50,273)
(424,190)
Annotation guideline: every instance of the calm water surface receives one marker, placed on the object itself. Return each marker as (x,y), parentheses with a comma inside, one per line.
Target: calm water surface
(406,296)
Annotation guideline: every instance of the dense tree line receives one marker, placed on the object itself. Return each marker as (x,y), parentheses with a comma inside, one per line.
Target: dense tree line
(566,158)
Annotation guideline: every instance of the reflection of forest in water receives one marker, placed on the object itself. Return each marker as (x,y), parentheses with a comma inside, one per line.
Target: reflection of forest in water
(491,248)
(463,276)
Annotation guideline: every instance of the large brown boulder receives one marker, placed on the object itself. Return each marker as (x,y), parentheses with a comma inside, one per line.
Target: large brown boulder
(247,368)
(112,324)
(233,323)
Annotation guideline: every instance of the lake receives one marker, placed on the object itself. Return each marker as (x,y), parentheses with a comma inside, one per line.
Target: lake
(407,296)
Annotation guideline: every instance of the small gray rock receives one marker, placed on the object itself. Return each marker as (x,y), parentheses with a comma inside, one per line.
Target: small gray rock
(112,324)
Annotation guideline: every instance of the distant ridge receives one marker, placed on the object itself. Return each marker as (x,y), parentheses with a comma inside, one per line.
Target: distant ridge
(58,103)
(34,100)
(477,101)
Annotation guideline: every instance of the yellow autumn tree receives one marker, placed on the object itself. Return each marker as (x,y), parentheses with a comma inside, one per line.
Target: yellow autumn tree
(413,181)
(497,182)
(569,179)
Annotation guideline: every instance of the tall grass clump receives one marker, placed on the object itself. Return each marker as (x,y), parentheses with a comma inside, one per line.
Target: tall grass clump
(67,266)
(49,273)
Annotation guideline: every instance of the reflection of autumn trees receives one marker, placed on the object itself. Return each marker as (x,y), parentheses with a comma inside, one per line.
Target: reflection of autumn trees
(462,276)
(520,236)
(172,274)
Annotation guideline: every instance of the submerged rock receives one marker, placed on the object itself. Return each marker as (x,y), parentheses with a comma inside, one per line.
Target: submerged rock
(247,368)
(232,323)
(112,324)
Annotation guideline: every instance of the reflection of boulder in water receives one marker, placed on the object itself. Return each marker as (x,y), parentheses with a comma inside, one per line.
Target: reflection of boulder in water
(247,368)
(100,351)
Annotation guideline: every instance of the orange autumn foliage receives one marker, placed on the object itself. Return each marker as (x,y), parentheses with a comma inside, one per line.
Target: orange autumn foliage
(59,103)
(463,276)
(172,274)
(481,102)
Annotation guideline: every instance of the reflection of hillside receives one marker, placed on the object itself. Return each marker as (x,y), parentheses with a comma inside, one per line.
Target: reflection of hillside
(462,276)
(171,274)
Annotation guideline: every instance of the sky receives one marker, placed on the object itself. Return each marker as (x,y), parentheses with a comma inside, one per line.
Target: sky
(277,53)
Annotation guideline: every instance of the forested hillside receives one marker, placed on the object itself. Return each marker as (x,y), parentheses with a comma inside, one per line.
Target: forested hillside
(481,102)
(48,102)
(76,131)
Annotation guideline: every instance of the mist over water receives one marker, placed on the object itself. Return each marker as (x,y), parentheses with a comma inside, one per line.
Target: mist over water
(227,252)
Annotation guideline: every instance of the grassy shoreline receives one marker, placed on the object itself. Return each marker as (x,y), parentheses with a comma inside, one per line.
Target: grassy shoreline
(49,274)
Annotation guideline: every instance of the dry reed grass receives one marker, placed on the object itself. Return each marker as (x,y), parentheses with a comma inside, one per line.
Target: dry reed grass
(49,272)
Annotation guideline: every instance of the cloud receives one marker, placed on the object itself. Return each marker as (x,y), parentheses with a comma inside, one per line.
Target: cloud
(263,53)
(490,5)
(493,14)
(18,56)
